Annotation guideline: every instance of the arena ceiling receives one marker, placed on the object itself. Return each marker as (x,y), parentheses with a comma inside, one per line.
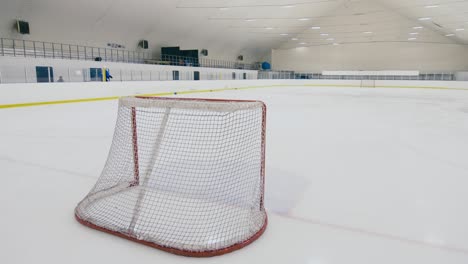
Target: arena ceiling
(241,26)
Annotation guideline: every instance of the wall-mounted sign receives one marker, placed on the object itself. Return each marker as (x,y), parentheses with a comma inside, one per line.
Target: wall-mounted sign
(115,46)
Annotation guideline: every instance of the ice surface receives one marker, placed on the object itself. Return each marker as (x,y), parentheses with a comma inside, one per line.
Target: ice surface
(354,175)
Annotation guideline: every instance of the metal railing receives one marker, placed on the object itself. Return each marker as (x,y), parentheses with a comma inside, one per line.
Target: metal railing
(41,49)
(437,76)
(203,62)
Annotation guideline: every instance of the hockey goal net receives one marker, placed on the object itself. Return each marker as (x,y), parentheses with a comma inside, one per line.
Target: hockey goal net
(183,175)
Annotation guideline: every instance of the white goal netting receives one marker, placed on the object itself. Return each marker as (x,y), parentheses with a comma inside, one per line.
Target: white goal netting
(183,175)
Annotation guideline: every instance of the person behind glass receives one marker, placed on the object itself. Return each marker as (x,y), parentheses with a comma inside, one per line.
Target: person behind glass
(108,75)
(60,79)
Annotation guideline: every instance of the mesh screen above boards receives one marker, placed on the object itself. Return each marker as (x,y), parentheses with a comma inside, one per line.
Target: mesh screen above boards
(183,175)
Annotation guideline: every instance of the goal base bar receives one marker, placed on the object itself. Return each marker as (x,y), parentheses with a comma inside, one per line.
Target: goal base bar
(197,254)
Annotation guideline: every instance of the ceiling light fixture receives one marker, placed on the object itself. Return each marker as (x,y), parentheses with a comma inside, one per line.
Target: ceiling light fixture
(431,6)
(330,39)
(284,34)
(324,34)
(249,20)
(294,39)
(288,6)
(302,43)
(315,28)
(418,27)
(424,18)
(368,32)
(304,19)
(414,33)
(410,39)
(269,28)
(460,29)
(336,44)
(450,35)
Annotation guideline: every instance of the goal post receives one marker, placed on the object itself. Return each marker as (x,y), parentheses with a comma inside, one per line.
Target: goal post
(185,176)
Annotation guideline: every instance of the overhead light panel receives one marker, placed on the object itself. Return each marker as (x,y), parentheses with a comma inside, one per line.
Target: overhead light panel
(223,9)
(294,39)
(302,43)
(368,32)
(324,34)
(288,6)
(330,39)
(431,6)
(414,33)
(460,29)
(315,28)
(304,19)
(424,18)
(269,28)
(450,35)
(249,20)
(418,27)
(410,39)
(284,34)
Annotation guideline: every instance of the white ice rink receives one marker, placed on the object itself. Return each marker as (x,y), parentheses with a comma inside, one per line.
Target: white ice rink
(376,176)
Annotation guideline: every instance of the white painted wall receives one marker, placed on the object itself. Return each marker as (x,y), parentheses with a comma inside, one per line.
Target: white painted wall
(371,73)
(461,76)
(374,56)
(40,92)
(17,69)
